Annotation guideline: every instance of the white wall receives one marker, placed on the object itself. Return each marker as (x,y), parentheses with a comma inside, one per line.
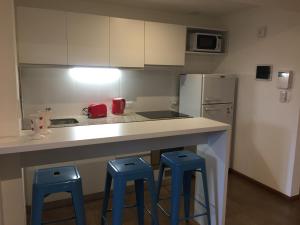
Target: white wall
(9,110)
(266,130)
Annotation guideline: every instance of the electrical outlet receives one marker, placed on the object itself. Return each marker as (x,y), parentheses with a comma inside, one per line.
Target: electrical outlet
(283,96)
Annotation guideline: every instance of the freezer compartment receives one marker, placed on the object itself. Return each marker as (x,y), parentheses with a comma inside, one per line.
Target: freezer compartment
(218,89)
(219,112)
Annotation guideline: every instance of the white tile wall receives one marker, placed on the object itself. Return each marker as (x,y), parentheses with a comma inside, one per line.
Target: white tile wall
(149,82)
(54,86)
(41,87)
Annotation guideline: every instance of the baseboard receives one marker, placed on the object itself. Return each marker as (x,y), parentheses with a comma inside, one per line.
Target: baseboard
(293,198)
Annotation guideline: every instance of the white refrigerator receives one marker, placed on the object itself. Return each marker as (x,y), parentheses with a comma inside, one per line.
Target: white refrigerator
(208,95)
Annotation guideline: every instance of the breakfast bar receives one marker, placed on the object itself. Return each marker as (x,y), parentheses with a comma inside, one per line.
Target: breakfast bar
(84,142)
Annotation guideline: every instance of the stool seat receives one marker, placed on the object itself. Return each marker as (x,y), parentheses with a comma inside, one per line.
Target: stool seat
(128,166)
(182,159)
(56,175)
(54,180)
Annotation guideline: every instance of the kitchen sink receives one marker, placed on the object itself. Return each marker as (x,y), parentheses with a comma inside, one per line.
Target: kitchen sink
(64,121)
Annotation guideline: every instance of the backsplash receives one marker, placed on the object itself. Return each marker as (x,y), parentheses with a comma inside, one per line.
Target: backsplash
(68,90)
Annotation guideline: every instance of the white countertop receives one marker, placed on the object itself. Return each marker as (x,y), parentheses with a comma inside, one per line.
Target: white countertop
(84,120)
(108,133)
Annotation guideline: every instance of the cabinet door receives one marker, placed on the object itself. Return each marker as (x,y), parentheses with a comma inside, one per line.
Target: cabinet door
(164,44)
(88,39)
(41,36)
(127,39)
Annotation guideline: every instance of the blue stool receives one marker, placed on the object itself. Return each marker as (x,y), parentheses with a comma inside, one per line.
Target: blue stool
(54,180)
(183,164)
(123,170)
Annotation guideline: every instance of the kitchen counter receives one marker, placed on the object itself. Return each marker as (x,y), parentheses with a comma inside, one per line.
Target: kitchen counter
(124,118)
(87,142)
(103,133)
(84,120)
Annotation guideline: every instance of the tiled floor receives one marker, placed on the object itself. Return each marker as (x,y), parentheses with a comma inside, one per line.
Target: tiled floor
(248,204)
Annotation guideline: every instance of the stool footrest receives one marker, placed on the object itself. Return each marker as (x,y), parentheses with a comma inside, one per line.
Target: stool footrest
(196,200)
(163,210)
(184,218)
(200,203)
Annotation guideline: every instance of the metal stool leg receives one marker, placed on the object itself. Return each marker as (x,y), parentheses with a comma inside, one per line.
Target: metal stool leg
(177,176)
(78,203)
(160,179)
(37,206)
(205,188)
(187,180)
(107,188)
(118,200)
(139,193)
(151,188)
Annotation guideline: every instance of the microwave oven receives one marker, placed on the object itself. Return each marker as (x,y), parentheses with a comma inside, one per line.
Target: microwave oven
(205,42)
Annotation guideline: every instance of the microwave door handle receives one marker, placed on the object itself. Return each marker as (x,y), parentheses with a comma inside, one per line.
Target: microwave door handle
(218,47)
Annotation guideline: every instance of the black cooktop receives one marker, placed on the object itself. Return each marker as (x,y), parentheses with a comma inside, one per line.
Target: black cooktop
(168,114)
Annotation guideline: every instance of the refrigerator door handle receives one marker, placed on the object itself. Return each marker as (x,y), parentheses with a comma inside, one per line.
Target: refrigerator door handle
(211,109)
(212,100)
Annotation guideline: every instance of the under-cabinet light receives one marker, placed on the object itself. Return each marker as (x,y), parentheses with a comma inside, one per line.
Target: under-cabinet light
(94,76)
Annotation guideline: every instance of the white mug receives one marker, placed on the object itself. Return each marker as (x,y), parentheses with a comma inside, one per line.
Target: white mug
(37,126)
(45,121)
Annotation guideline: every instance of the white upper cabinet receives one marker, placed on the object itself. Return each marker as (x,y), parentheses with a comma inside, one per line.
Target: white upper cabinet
(41,36)
(64,38)
(164,44)
(88,39)
(127,42)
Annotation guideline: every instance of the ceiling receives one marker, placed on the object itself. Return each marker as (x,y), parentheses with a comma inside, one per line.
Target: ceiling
(189,6)
(213,7)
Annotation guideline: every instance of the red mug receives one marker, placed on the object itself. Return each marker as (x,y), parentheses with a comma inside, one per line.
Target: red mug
(118,106)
